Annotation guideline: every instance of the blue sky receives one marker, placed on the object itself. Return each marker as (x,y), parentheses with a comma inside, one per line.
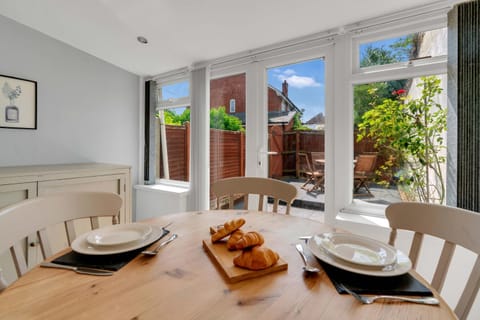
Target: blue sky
(306,85)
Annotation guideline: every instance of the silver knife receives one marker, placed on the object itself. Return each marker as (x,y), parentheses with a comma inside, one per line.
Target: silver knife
(81,270)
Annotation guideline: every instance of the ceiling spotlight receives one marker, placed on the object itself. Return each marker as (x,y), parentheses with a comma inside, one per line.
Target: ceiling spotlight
(142,39)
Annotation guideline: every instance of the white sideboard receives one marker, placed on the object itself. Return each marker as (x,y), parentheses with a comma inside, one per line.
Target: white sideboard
(22,182)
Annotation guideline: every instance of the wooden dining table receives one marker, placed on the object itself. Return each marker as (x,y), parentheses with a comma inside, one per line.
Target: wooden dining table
(184,282)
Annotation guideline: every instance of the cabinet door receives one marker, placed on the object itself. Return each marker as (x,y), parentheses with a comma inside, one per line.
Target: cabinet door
(13,193)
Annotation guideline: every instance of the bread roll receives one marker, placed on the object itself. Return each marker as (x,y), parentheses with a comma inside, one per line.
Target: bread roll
(228,228)
(256,258)
(249,239)
(234,237)
(213,230)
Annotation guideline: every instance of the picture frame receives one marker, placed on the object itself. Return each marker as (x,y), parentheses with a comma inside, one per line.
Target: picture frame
(18,103)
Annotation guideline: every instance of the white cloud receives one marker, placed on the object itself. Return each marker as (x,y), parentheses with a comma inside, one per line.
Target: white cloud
(299,81)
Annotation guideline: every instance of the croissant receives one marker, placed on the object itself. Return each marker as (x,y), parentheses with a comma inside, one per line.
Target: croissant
(249,239)
(256,258)
(234,237)
(228,228)
(214,229)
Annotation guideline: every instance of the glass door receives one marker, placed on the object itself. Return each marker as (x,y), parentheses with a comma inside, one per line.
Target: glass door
(296,130)
(276,104)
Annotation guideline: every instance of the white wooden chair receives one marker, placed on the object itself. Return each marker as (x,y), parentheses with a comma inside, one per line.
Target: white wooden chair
(28,217)
(455,226)
(245,186)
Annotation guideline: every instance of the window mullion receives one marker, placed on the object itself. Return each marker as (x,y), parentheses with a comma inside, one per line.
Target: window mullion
(400,73)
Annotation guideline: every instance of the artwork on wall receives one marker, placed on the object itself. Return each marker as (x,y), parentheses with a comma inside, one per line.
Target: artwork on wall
(18,103)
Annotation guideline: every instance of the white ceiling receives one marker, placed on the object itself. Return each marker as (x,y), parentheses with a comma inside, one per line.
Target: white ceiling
(182,32)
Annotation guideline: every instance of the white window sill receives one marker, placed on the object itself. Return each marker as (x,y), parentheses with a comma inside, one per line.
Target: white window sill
(363,213)
(181,189)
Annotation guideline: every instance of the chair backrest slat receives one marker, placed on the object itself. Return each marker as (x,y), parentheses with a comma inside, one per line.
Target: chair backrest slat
(415,248)
(455,226)
(443,265)
(365,163)
(263,187)
(18,259)
(70,230)
(470,293)
(44,243)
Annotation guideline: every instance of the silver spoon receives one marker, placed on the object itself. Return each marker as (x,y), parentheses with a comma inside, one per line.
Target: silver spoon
(307,266)
(161,245)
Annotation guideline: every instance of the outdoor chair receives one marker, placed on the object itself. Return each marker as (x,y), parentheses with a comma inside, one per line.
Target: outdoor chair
(313,176)
(318,160)
(364,172)
(34,216)
(453,225)
(245,186)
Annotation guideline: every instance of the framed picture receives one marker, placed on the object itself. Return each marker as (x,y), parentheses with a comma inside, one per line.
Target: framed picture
(18,103)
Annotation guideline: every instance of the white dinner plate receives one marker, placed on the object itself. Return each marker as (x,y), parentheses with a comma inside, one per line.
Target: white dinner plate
(118,234)
(81,245)
(401,266)
(357,249)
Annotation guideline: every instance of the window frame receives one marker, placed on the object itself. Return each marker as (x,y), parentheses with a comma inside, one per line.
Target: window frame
(342,72)
(182,102)
(404,70)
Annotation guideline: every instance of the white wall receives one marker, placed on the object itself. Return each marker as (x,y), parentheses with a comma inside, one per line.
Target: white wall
(88,110)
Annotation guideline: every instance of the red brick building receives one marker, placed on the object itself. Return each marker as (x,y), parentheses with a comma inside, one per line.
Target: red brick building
(230,93)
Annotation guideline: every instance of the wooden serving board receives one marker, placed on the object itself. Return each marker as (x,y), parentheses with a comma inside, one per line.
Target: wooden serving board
(224,259)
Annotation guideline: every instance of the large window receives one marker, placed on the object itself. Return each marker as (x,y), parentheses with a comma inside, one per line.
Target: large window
(173,134)
(382,59)
(401,123)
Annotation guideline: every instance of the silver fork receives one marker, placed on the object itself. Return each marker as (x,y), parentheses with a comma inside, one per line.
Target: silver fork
(371,299)
(161,245)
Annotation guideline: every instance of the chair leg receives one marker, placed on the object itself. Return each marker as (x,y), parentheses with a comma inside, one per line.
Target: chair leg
(363,183)
(319,184)
(304,186)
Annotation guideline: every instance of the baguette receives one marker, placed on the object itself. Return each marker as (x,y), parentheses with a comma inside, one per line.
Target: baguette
(249,239)
(256,258)
(228,228)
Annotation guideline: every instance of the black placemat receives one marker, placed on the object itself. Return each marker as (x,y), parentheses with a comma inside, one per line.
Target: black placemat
(404,284)
(111,262)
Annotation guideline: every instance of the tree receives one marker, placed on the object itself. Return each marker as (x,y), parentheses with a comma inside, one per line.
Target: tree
(297,123)
(377,56)
(176,119)
(412,130)
(219,119)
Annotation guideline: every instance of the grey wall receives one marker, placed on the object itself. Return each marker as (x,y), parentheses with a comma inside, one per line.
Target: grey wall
(87,109)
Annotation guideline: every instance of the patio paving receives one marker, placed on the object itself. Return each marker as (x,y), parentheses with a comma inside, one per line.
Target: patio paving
(312,204)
